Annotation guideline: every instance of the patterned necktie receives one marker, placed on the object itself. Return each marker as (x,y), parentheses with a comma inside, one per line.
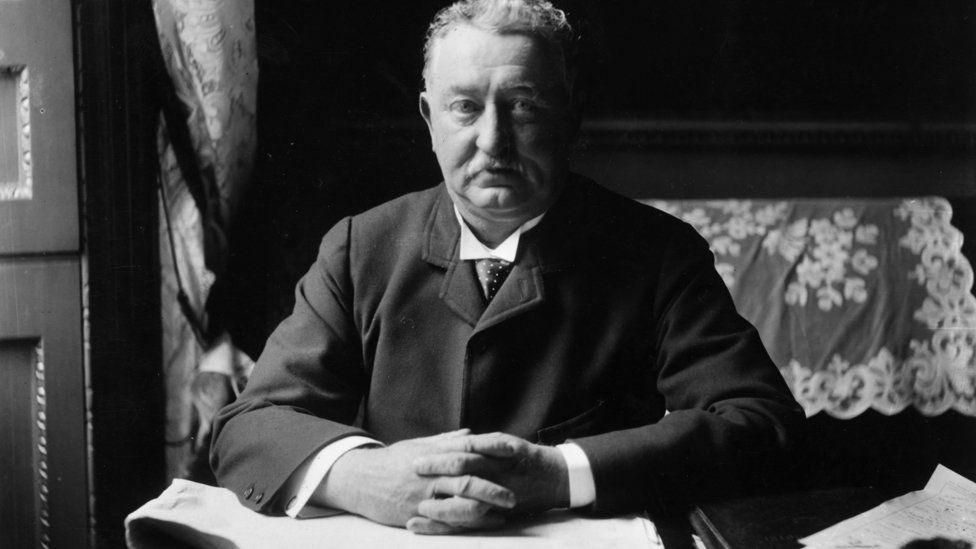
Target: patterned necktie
(491,274)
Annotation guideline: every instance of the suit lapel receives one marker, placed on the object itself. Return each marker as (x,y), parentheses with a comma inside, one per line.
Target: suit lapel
(460,291)
(522,291)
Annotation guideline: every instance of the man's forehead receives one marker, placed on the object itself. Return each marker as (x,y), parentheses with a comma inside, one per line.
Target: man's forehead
(468,80)
(467,56)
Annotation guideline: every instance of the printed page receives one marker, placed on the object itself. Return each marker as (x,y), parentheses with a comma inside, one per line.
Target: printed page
(949,483)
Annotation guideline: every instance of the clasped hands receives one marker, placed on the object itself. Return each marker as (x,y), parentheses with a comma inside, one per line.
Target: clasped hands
(448,483)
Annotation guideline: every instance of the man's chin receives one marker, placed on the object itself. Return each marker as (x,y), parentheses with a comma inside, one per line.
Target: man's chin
(506,179)
(498,198)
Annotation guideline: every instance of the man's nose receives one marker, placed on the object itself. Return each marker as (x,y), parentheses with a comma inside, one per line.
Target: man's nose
(494,133)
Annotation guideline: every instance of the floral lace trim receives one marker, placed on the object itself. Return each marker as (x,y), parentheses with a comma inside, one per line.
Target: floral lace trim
(940,373)
(835,265)
(884,383)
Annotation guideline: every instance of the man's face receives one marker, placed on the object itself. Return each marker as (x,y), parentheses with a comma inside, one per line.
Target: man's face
(497,110)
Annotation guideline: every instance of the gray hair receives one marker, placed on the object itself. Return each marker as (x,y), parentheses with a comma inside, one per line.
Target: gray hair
(538,18)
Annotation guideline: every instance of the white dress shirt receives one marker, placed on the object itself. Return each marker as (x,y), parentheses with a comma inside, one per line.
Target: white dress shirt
(303,482)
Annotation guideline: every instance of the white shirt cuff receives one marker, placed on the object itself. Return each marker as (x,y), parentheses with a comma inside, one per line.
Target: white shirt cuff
(220,357)
(582,488)
(303,482)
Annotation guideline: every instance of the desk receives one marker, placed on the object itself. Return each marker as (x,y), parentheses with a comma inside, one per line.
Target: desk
(778,520)
(206,516)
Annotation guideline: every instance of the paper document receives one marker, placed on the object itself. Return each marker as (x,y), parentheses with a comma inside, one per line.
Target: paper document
(198,515)
(946,508)
(948,483)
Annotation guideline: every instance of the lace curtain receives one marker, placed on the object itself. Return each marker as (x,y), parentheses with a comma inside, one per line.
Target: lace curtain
(208,48)
(863,304)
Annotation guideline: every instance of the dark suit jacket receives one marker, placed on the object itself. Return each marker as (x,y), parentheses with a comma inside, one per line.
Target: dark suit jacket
(612,314)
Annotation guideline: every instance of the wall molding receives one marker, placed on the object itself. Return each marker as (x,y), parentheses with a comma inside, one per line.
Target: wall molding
(643,133)
(640,134)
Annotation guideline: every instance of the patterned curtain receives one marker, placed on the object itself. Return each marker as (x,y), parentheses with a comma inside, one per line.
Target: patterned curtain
(206,156)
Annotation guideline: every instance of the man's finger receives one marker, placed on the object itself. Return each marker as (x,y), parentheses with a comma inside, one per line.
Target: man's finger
(494,444)
(447,435)
(457,463)
(429,526)
(473,488)
(491,444)
(462,512)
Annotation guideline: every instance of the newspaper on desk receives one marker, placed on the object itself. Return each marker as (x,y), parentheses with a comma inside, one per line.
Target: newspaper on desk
(945,508)
(188,514)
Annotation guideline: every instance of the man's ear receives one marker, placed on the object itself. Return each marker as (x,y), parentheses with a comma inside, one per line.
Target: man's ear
(424,105)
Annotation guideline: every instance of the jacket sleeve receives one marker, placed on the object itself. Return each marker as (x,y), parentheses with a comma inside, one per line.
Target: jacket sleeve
(305,390)
(730,411)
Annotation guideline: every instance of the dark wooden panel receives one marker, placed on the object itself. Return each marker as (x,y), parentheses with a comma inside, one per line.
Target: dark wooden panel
(119,108)
(778,520)
(35,41)
(18,431)
(730,173)
(40,300)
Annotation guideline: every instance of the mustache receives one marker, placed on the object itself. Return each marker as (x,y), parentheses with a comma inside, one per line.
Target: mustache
(482,164)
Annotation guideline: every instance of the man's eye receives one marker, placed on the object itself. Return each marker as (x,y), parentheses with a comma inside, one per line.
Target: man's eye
(464,107)
(522,109)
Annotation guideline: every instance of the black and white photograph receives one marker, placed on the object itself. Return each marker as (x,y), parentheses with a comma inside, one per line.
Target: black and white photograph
(487,273)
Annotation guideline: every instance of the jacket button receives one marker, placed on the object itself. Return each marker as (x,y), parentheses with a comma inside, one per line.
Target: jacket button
(257,498)
(248,492)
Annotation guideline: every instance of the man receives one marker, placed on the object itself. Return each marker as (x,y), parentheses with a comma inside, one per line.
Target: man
(442,342)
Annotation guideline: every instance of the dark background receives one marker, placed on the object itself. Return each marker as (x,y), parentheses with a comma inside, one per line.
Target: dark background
(689,99)
(742,59)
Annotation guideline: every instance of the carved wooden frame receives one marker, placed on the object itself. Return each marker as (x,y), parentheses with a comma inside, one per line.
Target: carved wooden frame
(40,454)
(22,188)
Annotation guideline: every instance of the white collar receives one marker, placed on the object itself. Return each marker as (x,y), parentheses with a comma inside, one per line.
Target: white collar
(472,248)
